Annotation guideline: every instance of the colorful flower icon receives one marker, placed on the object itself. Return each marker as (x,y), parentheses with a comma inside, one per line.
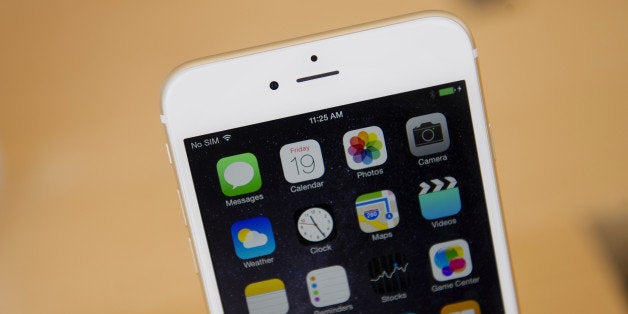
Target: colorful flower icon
(365,147)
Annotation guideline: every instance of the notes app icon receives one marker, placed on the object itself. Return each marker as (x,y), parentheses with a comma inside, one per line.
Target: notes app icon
(328,286)
(268,296)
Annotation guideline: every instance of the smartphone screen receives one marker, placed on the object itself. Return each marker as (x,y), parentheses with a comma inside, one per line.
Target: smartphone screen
(371,206)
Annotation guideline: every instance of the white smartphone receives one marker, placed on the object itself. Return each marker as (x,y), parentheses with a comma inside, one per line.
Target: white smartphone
(348,171)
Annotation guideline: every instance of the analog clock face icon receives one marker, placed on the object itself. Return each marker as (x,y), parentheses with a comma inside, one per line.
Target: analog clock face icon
(315,224)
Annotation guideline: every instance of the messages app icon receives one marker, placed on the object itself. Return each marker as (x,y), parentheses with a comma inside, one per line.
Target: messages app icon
(239,174)
(253,237)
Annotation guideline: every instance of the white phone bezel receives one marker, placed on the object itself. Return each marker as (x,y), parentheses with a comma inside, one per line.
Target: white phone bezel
(373,62)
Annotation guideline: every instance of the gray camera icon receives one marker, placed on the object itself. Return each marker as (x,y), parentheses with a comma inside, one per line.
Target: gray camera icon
(427,134)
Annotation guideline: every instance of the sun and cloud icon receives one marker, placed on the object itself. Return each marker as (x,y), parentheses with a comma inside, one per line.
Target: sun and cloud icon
(253,237)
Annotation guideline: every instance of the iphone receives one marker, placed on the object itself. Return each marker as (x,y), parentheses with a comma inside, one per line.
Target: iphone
(347,171)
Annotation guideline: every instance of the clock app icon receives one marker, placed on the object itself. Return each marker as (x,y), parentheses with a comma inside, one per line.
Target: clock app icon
(315,224)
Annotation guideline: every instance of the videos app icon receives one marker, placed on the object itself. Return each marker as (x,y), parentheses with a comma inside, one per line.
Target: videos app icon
(437,202)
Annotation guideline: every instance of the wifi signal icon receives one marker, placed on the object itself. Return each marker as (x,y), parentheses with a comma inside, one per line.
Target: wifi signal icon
(226,137)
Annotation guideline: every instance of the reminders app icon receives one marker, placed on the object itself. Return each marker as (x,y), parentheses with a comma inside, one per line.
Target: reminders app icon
(328,286)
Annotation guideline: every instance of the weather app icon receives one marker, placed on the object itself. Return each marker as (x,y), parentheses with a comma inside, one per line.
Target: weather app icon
(365,148)
(253,237)
(450,260)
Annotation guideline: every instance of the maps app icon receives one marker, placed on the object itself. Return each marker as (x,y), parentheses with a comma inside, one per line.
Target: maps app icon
(377,211)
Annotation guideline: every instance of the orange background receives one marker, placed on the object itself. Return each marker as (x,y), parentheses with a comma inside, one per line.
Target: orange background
(89,216)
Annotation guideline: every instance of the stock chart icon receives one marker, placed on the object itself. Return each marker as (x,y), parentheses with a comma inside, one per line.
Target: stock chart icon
(389,273)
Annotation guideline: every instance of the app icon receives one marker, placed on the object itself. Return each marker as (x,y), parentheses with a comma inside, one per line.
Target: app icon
(465,307)
(388,273)
(239,174)
(253,237)
(302,161)
(427,134)
(365,148)
(450,260)
(268,296)
(315,224)
(437,202)
(328,286)
(377,211)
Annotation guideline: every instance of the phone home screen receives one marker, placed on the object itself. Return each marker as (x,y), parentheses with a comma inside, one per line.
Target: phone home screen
(367,207)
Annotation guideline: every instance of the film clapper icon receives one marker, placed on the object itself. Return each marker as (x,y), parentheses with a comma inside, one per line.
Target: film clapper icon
(437,202)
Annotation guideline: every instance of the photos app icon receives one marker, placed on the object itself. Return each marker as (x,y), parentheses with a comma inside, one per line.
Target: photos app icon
(365,148)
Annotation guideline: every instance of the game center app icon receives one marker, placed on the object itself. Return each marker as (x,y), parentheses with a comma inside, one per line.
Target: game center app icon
(377,211)
(365,148)
(239,174)
(253,237)
(450,260)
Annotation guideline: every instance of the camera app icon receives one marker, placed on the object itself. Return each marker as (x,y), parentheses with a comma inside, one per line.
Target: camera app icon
(427,134)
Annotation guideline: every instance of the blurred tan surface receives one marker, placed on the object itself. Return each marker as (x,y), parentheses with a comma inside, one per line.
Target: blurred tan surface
(89,216)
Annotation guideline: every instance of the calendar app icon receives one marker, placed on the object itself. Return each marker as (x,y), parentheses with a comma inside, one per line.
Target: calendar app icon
(302,161)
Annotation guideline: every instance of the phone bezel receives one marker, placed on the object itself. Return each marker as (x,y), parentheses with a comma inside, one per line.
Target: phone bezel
(374,60)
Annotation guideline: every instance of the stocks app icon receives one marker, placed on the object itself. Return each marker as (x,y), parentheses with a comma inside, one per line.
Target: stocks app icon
(427,134)
(388,273)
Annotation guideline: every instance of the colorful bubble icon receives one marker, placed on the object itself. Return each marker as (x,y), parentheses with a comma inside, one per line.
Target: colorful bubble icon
(450,260)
